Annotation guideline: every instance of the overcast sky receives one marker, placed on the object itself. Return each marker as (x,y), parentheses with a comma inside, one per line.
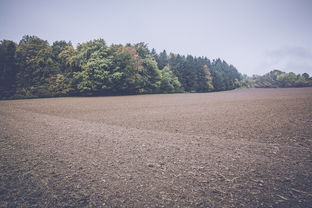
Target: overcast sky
(255,36)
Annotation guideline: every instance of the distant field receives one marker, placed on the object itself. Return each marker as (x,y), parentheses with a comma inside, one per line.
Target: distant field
(241,148)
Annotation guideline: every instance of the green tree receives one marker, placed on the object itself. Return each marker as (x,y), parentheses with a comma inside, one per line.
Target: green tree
(58,48)
(225,76)
(34,59)
(162,59)
(66,59)
(8,68)
(126,68)
(207,79)
(306,76)
(95,63)
(286,79)
(169,82)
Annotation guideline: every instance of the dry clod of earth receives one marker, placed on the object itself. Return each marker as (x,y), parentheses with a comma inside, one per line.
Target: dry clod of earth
(242,148)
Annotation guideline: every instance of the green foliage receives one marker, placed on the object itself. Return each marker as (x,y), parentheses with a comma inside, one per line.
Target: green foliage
(198,74)
(8,68)
(226,77)
(305,76)
(95,63)
(58,47)
(66,59)
(34,59)
(142,50)
(162,59)
(135,70)
(277,78)
(61,52)
(169,82)
(205,79)
(33,68)
(85,50)
(151,75)
(61,84)
(126,69)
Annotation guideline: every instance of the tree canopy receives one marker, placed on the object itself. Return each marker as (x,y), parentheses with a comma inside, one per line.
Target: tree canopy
(277,78)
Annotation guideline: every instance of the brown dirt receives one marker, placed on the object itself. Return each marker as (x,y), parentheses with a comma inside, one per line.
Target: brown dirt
(243,148)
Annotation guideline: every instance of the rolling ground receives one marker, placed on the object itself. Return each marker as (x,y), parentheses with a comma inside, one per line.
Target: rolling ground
(242,148)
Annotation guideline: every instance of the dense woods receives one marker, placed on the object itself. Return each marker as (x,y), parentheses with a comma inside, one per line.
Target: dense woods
(33,68)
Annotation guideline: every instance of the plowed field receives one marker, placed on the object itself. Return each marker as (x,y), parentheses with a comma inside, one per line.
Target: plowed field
(242,148)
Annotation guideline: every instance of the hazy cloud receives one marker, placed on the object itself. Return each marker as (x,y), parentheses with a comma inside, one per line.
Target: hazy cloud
(296,59)
(298,52)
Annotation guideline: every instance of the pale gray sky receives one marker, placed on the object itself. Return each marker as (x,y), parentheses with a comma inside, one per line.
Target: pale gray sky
(256,36)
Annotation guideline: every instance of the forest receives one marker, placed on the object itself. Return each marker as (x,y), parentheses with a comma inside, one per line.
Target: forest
(34,68)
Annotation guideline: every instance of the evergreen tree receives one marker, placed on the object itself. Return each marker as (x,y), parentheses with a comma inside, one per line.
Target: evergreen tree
(162,60)
(8,68)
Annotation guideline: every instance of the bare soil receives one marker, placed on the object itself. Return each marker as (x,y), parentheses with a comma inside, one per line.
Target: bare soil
(242,148)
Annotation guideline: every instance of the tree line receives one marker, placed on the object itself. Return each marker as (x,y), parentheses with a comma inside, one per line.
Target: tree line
(34,68)
(277,78)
